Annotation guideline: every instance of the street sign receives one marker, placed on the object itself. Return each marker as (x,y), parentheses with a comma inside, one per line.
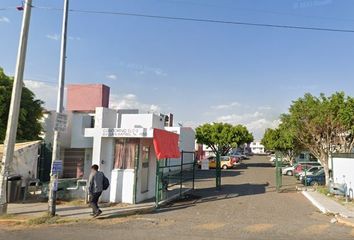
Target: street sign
(205,164)
(61,122)
(57,167)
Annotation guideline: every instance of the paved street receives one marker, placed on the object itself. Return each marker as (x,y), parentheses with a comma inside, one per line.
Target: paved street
(247,207)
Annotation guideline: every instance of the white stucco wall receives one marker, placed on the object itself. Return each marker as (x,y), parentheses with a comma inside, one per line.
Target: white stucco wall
(147,120)
(343,172)
(186,143)
(80,121)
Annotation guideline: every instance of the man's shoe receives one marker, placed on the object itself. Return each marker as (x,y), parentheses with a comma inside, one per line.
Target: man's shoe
(98,213)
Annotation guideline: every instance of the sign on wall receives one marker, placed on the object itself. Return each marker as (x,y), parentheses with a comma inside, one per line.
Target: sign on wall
(57,167)
(61,122)
(125,132)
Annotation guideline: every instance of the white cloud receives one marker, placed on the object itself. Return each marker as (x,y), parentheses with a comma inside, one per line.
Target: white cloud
(4,20)
(256,122)
(226,106)
(131,101)
(74,38)
(143,69)
(46,92)
(54,37)
(265,108)
(112,77)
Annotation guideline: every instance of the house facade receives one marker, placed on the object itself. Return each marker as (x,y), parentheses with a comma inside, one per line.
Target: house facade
(124,143)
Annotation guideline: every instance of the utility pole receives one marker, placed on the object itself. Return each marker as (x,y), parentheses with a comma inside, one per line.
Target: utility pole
(56,142)
(12,122)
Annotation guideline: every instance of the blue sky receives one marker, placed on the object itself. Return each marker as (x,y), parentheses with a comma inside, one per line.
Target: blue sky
(201,72)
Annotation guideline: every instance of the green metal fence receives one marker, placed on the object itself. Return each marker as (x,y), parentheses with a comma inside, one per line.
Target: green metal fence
(174,177)
(278,172)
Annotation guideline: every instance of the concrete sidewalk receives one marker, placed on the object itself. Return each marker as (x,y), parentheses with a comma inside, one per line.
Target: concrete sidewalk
(328,205)
(32,210)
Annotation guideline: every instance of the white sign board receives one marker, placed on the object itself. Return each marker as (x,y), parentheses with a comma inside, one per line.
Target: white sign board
(125,132)
(61,122)
(205,164)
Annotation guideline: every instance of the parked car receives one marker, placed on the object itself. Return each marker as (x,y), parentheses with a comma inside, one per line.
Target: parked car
(288,170)
(301,166)
(309,172)
(236,159)
(317,178)
(226,162)
(284,162)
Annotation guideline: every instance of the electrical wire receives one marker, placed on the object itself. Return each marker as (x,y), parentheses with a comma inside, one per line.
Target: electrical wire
(202,20)
(213,21)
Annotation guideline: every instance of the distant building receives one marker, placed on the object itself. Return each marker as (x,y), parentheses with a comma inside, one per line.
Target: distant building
(257,147)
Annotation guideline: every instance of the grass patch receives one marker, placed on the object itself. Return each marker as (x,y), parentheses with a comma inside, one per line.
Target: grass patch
(75,203)
(7,216)
(45,219)
(323,190)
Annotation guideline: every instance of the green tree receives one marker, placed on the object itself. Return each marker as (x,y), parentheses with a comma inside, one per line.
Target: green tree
(281,139)
(323,125)
(31,109)
(221,138)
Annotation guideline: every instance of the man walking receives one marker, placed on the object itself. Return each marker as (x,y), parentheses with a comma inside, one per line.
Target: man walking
(95,188)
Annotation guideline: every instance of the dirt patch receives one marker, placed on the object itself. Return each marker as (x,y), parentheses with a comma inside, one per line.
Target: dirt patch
(256,228)
(210,226)
(316,229)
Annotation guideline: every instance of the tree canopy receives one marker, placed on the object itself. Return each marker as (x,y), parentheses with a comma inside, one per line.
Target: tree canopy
(283,140)
(31,109)
(323,125)
(221,137)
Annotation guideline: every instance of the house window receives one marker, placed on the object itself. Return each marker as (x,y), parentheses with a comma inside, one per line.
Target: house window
(92,122)
(126,152)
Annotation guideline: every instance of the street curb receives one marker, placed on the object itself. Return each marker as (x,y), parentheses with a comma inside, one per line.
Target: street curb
(133,211)
(341,218)
(345,221)
(314,202)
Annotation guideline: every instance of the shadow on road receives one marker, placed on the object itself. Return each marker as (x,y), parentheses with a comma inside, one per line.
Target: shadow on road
(210,174)
(212,194)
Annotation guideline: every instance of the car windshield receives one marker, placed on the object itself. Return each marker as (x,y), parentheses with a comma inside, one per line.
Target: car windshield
(318,172)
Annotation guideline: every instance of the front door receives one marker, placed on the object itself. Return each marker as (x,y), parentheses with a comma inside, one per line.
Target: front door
(145,169)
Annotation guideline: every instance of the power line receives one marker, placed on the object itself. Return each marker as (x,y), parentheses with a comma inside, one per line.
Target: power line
(214,21)
(202,20)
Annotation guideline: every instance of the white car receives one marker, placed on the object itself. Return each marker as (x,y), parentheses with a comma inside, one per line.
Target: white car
(309,172)
(288,170)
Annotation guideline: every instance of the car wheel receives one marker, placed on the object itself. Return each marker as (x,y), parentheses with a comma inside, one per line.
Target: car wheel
(224,167)
(289,173)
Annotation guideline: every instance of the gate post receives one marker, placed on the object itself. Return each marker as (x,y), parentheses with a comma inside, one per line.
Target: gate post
(157,184)
(277,184)
(218,171)
(181,176)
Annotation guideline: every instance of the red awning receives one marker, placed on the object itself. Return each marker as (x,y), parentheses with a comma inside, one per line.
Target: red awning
(166,144)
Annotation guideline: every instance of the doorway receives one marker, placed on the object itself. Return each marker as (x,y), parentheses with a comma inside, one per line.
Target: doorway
(145,159)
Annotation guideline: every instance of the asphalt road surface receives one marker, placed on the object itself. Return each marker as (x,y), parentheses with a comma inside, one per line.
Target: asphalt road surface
(247,207)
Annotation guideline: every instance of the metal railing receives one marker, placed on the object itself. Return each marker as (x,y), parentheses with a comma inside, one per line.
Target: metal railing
(174,177)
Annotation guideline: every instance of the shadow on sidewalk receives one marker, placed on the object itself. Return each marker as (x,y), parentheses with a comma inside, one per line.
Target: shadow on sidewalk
(212,194)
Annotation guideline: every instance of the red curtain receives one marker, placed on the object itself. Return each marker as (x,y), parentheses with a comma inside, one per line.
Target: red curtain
(166,144)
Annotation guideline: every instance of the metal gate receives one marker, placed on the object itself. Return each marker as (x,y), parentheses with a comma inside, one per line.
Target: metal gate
(174,177)
(44,164)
